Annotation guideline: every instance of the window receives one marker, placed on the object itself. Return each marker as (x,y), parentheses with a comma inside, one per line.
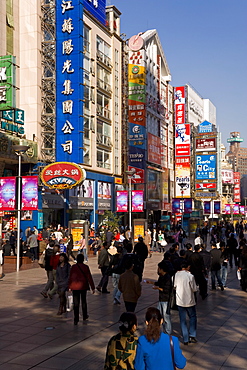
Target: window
(103,103)
(103,47)
(103,79)
(103,159)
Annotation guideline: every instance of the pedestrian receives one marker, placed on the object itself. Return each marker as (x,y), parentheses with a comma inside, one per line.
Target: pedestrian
(185,286)
(232,244)
(48,268)
(12,242)
(224,263)
(147,241)
(130,286)
(79,280)
(121,348)
(161,238)
(1,258)
(156,350)
(197,268)
(243,268)
(215,268)
(116,268)
(32,242)
(83,248)
(54,261)
(164,286)
(70,246)
(154,236)
(103,262)
(62,280)
(141,253)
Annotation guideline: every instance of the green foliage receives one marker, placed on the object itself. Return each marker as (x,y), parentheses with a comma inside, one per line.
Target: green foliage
(111,221)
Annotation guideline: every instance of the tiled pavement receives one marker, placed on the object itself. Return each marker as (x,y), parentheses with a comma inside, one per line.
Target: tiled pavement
(33,337)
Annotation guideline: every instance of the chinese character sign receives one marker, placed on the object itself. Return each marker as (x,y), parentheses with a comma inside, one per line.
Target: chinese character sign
(97,9)
(7,193)
(122,201)
(236,192)
(69,80)
(179,105)
(137,201)
(29,193)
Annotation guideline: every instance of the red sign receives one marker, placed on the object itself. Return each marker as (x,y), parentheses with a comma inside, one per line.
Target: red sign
(62,175)
(182,149)
(154,152)
(236,192)
(179,105)
(209,185)
(138,177)
(137,112)
(183,162)
(203,145)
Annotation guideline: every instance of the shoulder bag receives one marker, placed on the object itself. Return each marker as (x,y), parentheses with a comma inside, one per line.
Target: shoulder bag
(172,351)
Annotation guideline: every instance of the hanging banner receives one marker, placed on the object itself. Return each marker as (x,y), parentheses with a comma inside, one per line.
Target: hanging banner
(7,193)
(137,201)
(227,209)
(207,208)
(188,205)
(179,104)
(122,201)
(241,210)
(175,205)
(29,193)
(235,209)
(217,208)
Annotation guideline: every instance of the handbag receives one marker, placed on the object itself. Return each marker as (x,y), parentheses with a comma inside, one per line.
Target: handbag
(172,351)
(163,243)
(41,261)
(70,304)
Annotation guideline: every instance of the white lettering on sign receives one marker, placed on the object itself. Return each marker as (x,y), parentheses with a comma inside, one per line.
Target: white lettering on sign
(67,147)
(67,88)
(67,127)
(68,106)
(3,90)
(66,67)
(3,76)
(66,5)
(67,25)
(95,3)
(67,47)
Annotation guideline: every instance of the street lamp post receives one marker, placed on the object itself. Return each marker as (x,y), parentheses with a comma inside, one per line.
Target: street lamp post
(130,176)
(19,151)
(183,186)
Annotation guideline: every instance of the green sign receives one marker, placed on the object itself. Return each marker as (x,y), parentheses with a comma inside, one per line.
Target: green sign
(7,82)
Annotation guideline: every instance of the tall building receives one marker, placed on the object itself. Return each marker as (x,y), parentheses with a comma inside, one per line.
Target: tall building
(237,156)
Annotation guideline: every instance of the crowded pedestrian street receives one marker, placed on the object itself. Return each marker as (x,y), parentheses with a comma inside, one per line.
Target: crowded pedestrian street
(34,337)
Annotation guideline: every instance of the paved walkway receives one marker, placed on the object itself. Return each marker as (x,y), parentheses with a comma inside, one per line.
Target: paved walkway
(33,337)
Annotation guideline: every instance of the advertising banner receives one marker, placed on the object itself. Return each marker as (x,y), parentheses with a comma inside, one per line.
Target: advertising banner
(7,82)
(122,201)
(138,177)
(217,207)
(153,185)
(137,135)
(241,210)
(97,9)
(206,167)
(182,139)
(137,201)
(235,209)
(154,152)
(205,127)
(81,196)
(188,205)
(182,176)
(207,207)
(7,193)
(136,157)
(69,79)
(227,176)
(236,191)
(179,105)
(206,185)
(206,145)
(29,193)
(104,190)
(176,205)
(227,209)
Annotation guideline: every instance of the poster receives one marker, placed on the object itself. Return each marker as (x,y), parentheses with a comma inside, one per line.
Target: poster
(7,193)
(29,193)
(207,207)
(217,208)
(205,167)
(188,205)
(104,190)
(122,201)
(138,231)
(137,201)
(176,205)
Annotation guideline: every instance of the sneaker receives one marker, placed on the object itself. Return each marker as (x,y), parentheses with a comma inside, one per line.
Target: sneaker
(44,294)
(106,292)
(116,301)
(222,288)
(193,340)
(186,343)
(98,288)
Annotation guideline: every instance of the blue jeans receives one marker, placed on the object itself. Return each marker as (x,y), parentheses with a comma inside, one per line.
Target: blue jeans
(154,246)
(167,324)
(223,275)
(216,274)
(85,254)
(191,332)
(116,291)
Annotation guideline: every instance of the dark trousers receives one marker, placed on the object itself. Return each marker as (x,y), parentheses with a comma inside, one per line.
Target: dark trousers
(13,248)
(130,306)
(203,286)
(70,253)
(104,280)
(233,254)
(62,297)
(34,252)
(77,295)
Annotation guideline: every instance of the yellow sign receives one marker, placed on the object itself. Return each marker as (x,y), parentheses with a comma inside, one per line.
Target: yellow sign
(118,180)
(76,233)
(138,231)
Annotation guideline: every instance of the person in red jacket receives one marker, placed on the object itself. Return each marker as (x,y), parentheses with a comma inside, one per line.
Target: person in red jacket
(79,280)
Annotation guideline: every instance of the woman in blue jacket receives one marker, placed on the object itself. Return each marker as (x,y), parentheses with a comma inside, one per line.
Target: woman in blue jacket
(154,349)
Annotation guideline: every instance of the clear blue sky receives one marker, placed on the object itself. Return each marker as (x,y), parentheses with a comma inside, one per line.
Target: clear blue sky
(205,44)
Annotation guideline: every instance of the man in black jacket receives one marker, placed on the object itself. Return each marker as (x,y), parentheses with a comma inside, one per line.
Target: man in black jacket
(216,266)
(197,268)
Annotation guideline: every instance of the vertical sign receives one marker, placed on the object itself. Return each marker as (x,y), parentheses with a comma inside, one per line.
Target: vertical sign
(179,105)
(236,192)
(207,207)
(137,201)
(69,81)
(29,193)
(122,201)
(7,193)
(217,207)
(7,82)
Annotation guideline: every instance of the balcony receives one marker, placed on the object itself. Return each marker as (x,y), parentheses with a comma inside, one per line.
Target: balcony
(104,86)
(104,140)
(101,57)
(103,112)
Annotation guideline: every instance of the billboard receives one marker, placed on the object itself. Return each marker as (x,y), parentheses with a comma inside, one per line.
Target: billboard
(217,207)
(227,209)
(154,149)
(29,193)
(182,139)
(69,81)
(7,82)
(137,201)
(97,9)
(122,201)
(179,104)
(188,205)
(207,207)
(138,177)
(227,176)
(235,209)
(82,196)
(137,135)
(7,193)
(182,176)
(176,205)
(236,191)
(206,167)
(205,145)
(206,185)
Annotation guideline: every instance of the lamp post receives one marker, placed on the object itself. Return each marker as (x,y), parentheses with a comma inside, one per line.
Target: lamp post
(19,151)
(130,176)
(183,186)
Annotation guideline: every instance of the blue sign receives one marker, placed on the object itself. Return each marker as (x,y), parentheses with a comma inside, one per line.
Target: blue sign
(137,135)
(136,157)
(206,167)
(205,127)
(97,9)
(69,81)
